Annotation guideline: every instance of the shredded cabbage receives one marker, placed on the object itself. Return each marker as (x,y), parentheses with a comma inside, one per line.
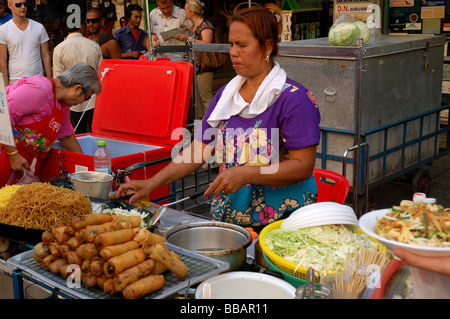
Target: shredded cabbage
(324,248)
(126,212)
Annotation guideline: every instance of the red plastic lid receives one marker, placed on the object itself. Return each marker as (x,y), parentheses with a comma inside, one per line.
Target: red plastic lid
(143,101)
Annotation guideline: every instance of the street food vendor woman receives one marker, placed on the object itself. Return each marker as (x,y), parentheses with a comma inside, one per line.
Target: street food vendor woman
(262,128)
(39,109)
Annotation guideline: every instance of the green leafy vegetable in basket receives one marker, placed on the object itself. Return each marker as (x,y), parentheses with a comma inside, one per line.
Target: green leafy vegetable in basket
(324,248)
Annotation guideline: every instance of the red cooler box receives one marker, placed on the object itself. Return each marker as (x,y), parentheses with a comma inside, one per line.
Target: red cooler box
(141,104)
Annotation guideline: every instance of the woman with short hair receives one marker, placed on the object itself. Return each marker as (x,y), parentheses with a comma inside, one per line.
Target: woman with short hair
(39,109)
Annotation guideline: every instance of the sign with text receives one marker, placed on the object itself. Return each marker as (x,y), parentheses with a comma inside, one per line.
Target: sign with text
(6,134)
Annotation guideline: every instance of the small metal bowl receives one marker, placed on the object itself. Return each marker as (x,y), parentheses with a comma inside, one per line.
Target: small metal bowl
(219,240)
(92,184)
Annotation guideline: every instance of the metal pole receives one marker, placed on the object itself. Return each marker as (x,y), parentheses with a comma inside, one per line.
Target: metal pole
(357,126)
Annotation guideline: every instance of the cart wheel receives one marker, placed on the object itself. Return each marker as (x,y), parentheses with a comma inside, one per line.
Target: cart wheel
(421,181)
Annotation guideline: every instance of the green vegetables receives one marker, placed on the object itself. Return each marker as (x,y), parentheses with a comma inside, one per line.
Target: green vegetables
(348,33)
(324,248)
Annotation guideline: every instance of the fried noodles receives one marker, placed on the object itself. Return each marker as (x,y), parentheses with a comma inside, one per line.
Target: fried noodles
(420,224)
(43,206)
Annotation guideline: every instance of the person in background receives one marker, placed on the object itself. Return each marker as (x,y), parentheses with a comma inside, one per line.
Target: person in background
(440,265)
(76,48)
(168,17)
(40,113)
(108,10)
(5,16)
(263,129)
(155,43)
(23,45)
(203,32)
(109,45)
(131,37)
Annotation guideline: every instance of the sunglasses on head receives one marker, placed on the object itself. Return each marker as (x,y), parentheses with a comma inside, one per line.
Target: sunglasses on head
(95,20)
(19,4)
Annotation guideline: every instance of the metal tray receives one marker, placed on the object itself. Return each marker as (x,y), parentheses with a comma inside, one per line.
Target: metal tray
(201,267)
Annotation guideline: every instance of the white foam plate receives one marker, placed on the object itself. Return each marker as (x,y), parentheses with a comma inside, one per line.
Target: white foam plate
(367,223)
(320,221)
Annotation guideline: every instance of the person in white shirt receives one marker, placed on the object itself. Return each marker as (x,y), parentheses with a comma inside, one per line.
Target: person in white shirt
(23,46)
(75,49)
(166,17)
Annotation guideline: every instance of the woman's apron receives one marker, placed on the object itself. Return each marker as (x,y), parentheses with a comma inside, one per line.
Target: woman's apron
(32,141)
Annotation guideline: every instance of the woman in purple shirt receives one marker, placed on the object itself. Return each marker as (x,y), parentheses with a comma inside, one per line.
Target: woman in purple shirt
(262,128)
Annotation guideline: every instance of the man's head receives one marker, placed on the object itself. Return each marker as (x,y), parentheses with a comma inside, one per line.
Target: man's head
(18,7)
(3,6)
(94,20)
(133,16)
(166,7)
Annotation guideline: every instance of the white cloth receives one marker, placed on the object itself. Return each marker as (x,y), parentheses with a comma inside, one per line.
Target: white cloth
(177,21)
(74,49)
(231,103)
(24,48)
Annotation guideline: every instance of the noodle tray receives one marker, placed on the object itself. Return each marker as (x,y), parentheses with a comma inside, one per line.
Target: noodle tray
(21,234)
(140,112)
(201,267)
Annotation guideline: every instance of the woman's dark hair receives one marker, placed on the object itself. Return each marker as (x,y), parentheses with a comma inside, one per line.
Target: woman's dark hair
(132,7)
(264,21)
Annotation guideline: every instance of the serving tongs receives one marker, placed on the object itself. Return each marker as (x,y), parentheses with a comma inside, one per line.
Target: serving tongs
(162,209)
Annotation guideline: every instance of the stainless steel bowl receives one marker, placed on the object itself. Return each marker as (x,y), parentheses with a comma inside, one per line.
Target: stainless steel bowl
(92,184)
(222,241)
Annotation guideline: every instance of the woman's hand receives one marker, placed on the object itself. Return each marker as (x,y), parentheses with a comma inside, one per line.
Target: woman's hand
(439,265)
(229,180)
(141,189)
(182,37)
(19,163)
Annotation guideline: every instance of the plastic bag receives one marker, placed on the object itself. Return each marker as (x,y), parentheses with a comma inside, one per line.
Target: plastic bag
(28,177)
(347,31)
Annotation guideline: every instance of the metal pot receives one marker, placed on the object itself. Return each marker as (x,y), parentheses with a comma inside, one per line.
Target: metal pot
(92,184)
(222,241)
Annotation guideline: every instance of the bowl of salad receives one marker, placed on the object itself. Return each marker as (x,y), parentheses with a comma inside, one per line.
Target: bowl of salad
(421,228)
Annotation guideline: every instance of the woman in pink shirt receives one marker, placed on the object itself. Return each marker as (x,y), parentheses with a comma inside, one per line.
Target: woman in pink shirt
(40,113)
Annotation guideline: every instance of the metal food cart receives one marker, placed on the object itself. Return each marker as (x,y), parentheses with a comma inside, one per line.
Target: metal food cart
(380,105)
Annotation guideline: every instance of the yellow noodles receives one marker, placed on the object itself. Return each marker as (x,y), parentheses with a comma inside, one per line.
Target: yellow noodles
(43,206)
(6,192)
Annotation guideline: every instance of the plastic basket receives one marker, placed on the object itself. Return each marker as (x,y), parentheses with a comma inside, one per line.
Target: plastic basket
(286,266)
(293,280)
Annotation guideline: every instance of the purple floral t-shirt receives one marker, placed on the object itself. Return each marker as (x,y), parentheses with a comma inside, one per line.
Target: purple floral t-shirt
(290,123)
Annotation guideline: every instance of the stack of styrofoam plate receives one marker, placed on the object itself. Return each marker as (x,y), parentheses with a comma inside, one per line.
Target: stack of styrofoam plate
(324,213)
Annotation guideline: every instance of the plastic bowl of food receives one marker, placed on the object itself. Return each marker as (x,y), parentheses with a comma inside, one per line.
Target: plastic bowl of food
(367,223)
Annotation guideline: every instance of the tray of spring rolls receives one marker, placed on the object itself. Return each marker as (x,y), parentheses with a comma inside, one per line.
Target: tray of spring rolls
(105,256)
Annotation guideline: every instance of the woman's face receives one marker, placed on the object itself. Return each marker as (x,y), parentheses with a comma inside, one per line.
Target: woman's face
(189,13)
(246,56)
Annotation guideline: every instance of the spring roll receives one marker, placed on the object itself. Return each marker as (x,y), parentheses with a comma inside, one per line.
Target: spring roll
(73,258)
(55,267)
(69,230)
(47,236)
(101,281)
(63,271)
(60,235)
(135,221)
(127,260)
(64,250)
(78,222)
(133,274)
(111,251)
(90,251)
(143,286)
(40,250)
(161,254)
(88,279)
(86,266)
(108,286)
(159,268)
(113,238)
(91,232)
(48,260)
(142,236)
(54,248)
(73,243)
(80,250)
(97,266)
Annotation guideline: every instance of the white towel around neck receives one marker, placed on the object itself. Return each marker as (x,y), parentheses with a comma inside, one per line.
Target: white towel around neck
(227,107)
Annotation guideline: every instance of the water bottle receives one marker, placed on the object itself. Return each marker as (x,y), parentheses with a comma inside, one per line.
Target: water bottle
(102,158)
